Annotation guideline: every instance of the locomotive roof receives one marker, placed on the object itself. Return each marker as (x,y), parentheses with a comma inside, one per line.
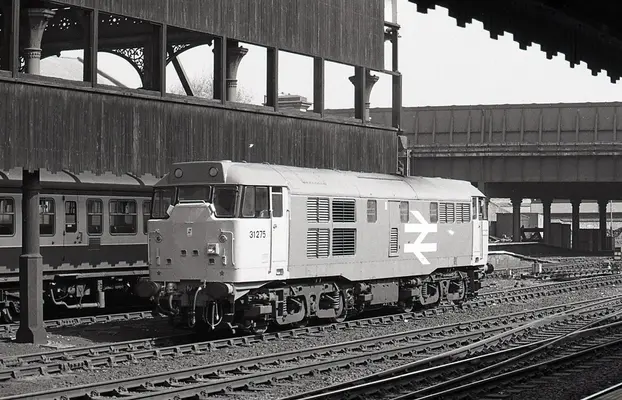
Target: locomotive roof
(320,182)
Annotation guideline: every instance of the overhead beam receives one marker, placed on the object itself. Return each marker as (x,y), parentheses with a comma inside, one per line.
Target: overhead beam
(272,79)
(14,52)
(318,85)
(181,72)
(92,48)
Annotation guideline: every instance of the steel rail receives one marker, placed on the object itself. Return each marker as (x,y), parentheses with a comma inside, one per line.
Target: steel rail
(60,361)
(205,380)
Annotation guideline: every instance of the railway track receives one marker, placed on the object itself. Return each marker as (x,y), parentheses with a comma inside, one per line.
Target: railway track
(84,320)
(611,393)
(474,374)
(483,299)
(583,349)
(108,355)
(249,374)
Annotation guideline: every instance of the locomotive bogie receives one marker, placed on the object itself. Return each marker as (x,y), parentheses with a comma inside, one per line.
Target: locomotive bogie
(293,244)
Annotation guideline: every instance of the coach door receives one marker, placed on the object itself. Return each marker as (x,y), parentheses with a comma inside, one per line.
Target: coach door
(280,237)
(72,234)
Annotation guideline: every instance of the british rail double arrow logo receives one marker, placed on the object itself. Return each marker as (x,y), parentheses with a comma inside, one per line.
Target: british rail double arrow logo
(418,247)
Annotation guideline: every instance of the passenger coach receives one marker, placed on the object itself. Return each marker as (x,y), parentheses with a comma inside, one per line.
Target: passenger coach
(247,245)
(93,235)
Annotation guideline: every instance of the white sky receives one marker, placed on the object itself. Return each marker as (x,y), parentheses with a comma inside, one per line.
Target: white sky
(441,63)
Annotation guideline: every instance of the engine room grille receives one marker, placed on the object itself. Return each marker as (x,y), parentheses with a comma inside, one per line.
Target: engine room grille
(318,242)
(393,242)
(464,212)
(344,241)
(318,210)
(344,211)
(446,213)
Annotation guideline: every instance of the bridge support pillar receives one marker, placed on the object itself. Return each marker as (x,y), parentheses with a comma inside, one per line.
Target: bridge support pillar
(235,53)
(546,210)
(38,19)
(516,233)
(602,224)
(369,82)
(576,204)
(31,329)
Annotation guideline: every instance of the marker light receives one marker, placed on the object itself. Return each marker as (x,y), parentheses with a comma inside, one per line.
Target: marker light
(179,173)
(213,172)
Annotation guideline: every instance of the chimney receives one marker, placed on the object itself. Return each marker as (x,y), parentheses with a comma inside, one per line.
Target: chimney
(291,101)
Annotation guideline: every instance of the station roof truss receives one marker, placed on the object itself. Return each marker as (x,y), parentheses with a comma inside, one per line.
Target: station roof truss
(584,31)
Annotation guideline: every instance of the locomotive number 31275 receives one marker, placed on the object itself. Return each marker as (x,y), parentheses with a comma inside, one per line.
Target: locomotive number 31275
(257,234)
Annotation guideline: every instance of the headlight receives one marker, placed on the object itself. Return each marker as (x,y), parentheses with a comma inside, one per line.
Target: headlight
(212,248)
(178,173)
(213,172)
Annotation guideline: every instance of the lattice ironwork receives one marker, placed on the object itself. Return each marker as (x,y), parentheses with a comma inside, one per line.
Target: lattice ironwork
(63,23)
(178,49)
(118,21)
(135,56)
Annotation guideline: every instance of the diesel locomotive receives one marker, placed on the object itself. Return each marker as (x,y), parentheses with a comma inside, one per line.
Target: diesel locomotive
(246,246)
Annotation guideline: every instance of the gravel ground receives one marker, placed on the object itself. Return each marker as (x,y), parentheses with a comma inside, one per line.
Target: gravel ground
(498,284)
(176,364)
(89,335)
(575,383)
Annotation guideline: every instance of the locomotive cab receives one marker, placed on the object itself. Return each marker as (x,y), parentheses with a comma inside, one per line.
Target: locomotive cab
(212,238)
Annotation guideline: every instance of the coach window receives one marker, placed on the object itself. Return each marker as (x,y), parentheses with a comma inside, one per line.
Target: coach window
(372,211)
(122,217)
(7,217)
(224,201)
(71,217)
(433,213)
(94,216)
(277,202)
(403,211)
(146,215)
(47,217)
(255,203)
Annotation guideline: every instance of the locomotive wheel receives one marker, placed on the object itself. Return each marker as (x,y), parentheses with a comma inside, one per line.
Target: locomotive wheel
(342,312)
(259,328)
(301,324)
(464,295)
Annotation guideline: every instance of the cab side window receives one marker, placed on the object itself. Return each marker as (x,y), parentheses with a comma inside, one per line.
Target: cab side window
(256,202)
(277,202)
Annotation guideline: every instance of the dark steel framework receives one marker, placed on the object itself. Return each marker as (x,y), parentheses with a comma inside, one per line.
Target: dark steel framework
(587,31)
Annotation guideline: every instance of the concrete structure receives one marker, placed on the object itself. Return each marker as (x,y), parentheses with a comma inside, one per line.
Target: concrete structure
(566,152)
